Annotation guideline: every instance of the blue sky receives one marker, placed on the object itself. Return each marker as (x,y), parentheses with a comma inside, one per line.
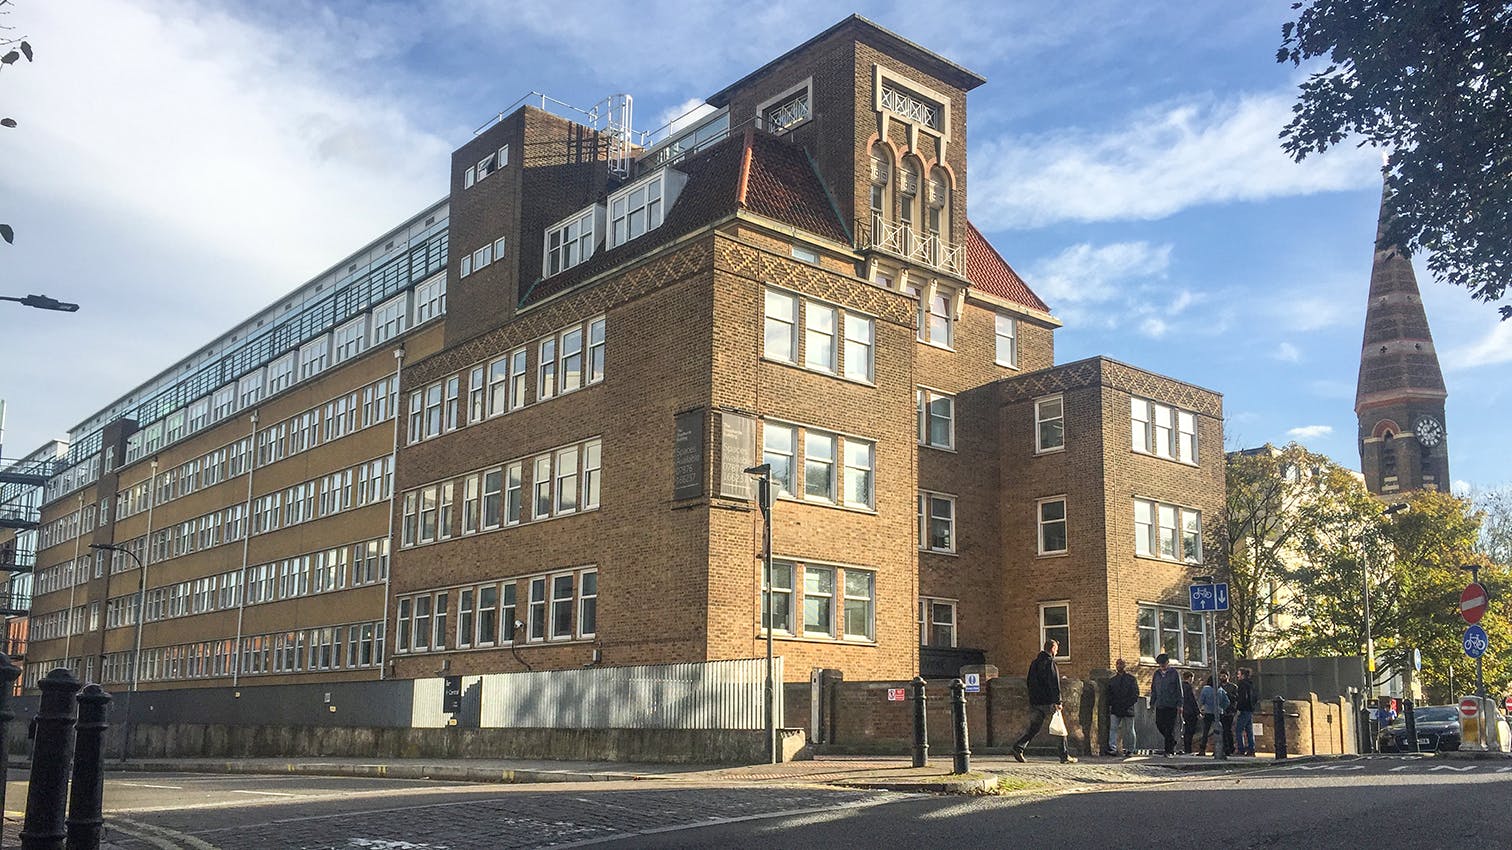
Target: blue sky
(181,164)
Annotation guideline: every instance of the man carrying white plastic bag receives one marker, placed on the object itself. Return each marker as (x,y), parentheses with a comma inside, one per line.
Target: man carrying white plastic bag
(1044,702)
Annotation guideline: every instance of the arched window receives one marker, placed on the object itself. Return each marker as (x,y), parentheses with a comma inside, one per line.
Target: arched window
(881,175)
(937,204)
(908,194)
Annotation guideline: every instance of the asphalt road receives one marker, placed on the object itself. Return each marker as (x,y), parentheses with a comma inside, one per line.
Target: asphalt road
(1380,803)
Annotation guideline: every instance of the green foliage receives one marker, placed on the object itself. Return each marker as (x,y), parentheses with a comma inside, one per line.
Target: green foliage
(1428,81)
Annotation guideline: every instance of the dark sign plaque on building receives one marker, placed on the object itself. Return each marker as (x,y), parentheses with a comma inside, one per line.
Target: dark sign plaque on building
(688,455)
(451,695)
(737,453)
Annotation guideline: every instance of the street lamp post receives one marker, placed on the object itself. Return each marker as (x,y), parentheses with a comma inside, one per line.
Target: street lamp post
(42,302)
(764,499)
(141,613)
(1370,660)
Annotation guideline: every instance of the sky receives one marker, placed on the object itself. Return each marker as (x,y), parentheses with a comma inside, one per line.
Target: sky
(181,164)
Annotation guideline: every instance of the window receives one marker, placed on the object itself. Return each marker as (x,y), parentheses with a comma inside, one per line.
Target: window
(805,254)
(937,622)
(591,474)
(818,601)
(492,481)
(430,299)
(541,478)
(859,335)
(561,607)
(1179,633)
(1055,624)
(936,522)
(1049,424)
(781,324)
(819,338)
(514,504)
(781,591)
(433,417)
(471,503)
(1052,525)
(571,241)
(936,419)
(1168,532)
(389,318)
(313,357)
(453,391)
(571,367)
(517,373)
(1005,332)
(819,466)
(858,473)
(937,326)
(860,604)
(596,350)
(566,480)
(637,208)
(546,370)
(477,395)
(788,111)
(536,624)
(587,604)
(488,612)
(777,450)
(280,375)
(1163,431)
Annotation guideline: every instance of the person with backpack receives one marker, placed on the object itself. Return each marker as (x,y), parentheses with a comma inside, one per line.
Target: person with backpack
(1244,707)
(1123,692)
(1226,720)
(1215,704)
(1044,700)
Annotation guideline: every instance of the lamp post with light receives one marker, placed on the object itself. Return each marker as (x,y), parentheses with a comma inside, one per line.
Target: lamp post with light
(764,499)
(42,302)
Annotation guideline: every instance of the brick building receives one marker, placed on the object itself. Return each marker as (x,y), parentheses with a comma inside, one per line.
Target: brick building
(511,433)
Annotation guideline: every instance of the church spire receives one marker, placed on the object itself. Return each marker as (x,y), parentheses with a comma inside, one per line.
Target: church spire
(1399,397)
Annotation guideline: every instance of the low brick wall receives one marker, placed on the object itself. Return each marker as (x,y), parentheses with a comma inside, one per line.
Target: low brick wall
(691,746)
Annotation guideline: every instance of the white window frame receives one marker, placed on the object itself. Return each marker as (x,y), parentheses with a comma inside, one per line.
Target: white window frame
(927,517)
(927,621)
(858,357)
(925,399)
(1040,420)
(788,109)
(625,209)
(430,300)
(1064,650)
(783,324)
(847,597)
(1149,531)
(1040,522)
(350,340)
(390,319)
(821,348)
(1183,655)
(1005,332)
(576,238)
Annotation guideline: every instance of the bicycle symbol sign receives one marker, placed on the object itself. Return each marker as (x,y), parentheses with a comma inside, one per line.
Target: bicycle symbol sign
(1209,597)
(1476,641)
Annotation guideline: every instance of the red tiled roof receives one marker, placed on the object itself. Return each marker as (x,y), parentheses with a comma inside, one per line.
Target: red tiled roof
(780,183)
(987,270)
(753,171)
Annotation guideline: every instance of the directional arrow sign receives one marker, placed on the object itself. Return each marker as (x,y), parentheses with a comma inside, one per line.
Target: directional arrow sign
(1220,595)
(1209,597)
(1473,602)
(1476,641)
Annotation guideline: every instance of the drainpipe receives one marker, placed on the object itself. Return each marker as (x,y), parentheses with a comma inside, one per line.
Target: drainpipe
(241,585)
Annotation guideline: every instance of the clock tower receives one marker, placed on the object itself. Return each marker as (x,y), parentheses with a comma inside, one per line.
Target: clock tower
(1399,399)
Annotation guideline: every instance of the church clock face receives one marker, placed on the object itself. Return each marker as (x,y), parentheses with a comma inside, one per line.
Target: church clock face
(1428,430)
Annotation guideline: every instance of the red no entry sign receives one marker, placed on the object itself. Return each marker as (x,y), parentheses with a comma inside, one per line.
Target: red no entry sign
(1473,602)
(1469,706)
(1509,705)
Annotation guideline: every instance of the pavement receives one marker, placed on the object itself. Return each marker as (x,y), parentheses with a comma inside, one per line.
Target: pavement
(989,774)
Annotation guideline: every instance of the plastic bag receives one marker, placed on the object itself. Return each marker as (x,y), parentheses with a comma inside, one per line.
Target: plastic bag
(1058,725)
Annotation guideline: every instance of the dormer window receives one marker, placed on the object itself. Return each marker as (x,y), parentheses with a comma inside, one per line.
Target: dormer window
(486,166)
(572,240)
(642,206)
(788,109)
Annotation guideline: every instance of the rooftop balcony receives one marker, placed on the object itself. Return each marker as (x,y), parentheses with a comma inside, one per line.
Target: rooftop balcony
(904,242)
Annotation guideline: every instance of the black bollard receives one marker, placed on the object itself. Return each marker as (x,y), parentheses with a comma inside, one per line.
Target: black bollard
(47,793)
(87,794)
(1412,738)
(1367,728)
(9,673)
(1280,724)
(920,730)
(958,715)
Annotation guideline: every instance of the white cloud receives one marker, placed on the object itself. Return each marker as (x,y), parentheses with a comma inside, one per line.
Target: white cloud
(1310,432)
(1462,488)
(1154,328)
(1287,353)
(1083,273)
(1160,161)
(1495,347)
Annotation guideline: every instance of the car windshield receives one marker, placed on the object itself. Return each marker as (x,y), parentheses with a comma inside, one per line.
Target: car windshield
(1431,714)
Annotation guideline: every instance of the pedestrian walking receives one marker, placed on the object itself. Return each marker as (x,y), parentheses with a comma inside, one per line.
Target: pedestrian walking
(1044,699)
(1226,719)
(1189,711)
(1165,698)
(1123,692)
(1215,702)
(1244,707)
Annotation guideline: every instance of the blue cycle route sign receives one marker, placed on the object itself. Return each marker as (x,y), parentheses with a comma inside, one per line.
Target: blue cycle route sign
(1209,597)
(1476,641)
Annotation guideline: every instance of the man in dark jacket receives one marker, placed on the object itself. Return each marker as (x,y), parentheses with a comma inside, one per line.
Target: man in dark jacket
(1123,692)
(1188,711)
(1165,698)
(1244,706)
(1044,699)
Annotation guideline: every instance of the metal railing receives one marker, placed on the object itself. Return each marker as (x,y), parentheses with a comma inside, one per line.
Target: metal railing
(12,602)
(902,240)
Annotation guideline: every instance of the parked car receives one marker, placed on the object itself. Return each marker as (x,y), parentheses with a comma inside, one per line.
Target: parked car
(1438,729)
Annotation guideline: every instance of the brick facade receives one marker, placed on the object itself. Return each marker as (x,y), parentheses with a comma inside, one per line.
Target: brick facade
(630,543)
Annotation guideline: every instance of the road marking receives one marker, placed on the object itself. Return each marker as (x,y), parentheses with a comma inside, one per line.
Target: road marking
(265,793)
(148,785)
(1464,769)
(159,836)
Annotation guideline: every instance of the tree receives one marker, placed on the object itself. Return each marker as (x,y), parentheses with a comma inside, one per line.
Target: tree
(1275,497)
(1429,82)
(1496,527)
(12,49)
